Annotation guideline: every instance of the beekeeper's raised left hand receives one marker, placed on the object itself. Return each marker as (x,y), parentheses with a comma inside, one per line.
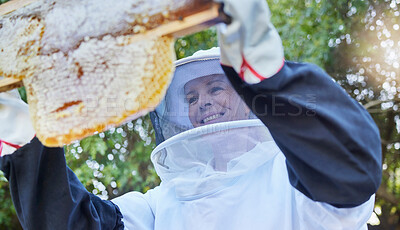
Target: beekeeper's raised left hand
(16,129)
(250,40)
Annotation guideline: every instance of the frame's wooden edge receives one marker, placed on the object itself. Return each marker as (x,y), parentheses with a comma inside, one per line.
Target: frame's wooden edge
(10,6)
(197,22)
(8,84)
(190,24)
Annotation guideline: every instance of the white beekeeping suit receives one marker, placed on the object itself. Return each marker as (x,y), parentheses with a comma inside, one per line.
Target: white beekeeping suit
(225,173)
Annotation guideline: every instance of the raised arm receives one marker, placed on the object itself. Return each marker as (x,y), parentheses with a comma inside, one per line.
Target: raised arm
(331,143)
(45,192)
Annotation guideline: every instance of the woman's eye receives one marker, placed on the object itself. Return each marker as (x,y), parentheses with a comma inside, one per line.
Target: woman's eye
(191,100)
(216,89)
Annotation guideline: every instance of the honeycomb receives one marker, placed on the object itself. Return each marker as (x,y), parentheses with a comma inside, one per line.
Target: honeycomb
(84,92)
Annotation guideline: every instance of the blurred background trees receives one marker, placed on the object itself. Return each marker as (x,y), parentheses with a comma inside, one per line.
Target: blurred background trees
(356,41)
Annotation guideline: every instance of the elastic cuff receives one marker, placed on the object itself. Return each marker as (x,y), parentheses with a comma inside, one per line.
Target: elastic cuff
(247,67)
(9,144)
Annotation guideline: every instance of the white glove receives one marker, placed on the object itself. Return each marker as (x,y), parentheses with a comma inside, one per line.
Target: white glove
(250,44)
(16,129)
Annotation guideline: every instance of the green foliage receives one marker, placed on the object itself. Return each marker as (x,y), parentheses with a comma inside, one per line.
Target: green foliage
(117,161)
(306,27)
(188,45)
(8,219)
(22,93)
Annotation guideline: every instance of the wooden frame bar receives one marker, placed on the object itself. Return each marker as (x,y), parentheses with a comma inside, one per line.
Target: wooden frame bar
(8,84)
(13,5)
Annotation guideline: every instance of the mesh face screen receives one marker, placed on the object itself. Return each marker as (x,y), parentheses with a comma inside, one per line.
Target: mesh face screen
(203,158)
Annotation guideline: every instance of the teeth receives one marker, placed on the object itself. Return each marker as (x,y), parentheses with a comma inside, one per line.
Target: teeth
(213,117)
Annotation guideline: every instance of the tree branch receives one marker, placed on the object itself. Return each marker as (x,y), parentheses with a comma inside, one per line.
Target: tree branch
(389,197)
(371,104)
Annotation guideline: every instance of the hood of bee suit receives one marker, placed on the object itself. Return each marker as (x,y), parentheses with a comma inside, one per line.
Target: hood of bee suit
(198,160)
(171,116)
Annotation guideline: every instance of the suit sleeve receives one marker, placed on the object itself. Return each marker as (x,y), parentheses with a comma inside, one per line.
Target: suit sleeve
(331,144)
(48,195)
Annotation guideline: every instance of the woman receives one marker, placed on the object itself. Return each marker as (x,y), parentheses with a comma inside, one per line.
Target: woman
(221,168)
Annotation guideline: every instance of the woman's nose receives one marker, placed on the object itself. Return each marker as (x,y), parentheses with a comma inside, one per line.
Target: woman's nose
(205,102)
(204,106)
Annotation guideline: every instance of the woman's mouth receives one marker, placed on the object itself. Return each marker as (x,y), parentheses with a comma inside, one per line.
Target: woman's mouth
(212,117)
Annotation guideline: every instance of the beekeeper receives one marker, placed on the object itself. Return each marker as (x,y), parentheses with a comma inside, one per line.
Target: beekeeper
(259,143)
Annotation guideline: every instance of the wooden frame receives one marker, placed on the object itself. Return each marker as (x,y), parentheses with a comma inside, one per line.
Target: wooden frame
(187,25)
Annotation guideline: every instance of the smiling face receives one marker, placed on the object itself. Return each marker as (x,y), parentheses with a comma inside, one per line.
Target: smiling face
(212,99)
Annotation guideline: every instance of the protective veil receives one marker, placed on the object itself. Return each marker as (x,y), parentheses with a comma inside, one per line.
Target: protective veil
(208,158)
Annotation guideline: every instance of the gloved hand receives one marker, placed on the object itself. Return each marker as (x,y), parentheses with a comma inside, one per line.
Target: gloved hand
(250,43)
(16,129)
